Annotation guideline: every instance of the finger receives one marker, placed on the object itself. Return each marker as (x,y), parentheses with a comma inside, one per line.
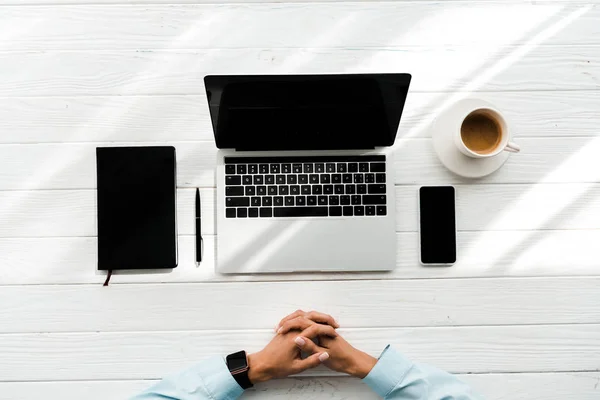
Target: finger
(307,345)
(295,314)
(298,323)
(322,318)
(312,361)
(319,330)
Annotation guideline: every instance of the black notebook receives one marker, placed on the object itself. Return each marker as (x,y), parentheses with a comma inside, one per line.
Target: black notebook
(136,208)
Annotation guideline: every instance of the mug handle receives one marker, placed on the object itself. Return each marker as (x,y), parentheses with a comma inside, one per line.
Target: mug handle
(512,147)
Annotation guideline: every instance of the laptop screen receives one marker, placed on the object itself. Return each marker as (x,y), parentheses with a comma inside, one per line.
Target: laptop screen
(306,112)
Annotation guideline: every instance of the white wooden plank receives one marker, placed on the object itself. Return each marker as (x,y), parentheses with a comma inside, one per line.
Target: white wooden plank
(170,26)
(274,2)
(480,254)
(73,166)
(146,72)
(53,213)
(210,306)
(148,355)
(185,118)
(521,386)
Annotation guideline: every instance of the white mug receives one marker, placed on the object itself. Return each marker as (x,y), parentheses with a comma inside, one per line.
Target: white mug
(504,143)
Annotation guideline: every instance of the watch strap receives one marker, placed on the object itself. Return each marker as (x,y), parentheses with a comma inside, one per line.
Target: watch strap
(242,379)
(240,374)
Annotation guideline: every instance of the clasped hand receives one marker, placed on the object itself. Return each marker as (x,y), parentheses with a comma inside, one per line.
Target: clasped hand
(295,334)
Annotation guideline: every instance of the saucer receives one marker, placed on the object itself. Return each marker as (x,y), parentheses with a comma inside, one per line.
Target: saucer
(443,143)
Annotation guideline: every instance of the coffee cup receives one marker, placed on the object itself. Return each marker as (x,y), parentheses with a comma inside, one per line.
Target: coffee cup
(482,133)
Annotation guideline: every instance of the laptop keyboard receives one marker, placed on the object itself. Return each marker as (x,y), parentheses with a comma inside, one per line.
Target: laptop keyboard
(323,186)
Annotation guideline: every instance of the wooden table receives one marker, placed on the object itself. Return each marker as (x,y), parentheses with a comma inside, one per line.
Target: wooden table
(518,316)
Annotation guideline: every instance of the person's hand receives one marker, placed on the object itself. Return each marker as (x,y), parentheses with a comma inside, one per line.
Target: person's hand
(342,356)
(282,357)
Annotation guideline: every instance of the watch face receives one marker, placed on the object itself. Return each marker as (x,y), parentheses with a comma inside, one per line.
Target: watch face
(237,361)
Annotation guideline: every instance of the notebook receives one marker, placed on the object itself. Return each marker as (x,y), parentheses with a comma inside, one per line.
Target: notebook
(136,208)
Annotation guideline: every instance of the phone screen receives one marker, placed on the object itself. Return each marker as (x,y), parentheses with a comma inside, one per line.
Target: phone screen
(438,225)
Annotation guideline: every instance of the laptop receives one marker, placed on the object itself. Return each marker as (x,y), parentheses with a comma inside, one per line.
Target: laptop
(305,175)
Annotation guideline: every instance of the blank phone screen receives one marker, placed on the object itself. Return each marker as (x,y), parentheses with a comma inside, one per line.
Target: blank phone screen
(438,226)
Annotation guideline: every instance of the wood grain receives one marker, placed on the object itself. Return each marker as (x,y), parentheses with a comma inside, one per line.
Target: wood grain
(149,72)
(185,118)
(424,303)
(72,260)
(330,25)
(521,386)
(148,355)
(73,166)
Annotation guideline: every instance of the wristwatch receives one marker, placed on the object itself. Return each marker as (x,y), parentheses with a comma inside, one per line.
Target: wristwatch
(238,366)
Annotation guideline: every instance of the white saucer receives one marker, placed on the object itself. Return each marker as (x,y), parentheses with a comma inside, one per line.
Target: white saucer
(443,128)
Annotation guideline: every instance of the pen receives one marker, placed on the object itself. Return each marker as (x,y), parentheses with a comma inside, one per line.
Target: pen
(198,229)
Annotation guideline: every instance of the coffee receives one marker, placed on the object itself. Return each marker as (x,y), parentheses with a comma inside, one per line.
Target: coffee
(480,132)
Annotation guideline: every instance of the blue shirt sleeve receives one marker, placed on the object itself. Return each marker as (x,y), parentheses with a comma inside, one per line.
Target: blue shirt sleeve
(396,378)
(209,380)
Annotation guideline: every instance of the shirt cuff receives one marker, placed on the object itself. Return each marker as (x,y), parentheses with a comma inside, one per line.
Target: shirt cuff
(388,373)
(216,379)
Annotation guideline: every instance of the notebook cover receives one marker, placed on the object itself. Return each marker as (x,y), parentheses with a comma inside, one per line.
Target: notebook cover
(136,207)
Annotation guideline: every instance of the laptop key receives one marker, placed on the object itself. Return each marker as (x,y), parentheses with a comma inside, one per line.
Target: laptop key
(374,199)
(284,190)
(253,169)
(334,200)
(253,212)
(336,178)
(317,189)
(330,167)
(286,168)
(311,200)
(350,189)
(335,211)
(266,212)
(234,191)
(358,178)
(292,179)
(270,179)
(345,200)
(237,201)
(377,167)
(359,210)
(376,189)
(314,178)
(241,169)
(229,169)
(250,191)
(308,168)
(230,213)
(325,178)
(363,167)
(297,168)
(347,178)
(381,210)
(338,189)
(255,201)
(233,180)
(319,168)
(280,179)
(305,189)
(300,200)
(355,200)
(342,167)
(258,179)
(348,211)
(353,167)
(272,190)
(247,179)
(242,212)
(300,211)
(289,200)
(303,179)
(274,168)
(267,201)
(328,189)
(261,190)
(295,190)
(278,201)
(322,200)
(361,189)
(380,178)
(370,210)
(369,178)
(263,168)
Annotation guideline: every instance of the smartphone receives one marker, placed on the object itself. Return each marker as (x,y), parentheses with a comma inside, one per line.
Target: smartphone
(437,224)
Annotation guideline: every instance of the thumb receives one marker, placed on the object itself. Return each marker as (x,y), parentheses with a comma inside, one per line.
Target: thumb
(317,356)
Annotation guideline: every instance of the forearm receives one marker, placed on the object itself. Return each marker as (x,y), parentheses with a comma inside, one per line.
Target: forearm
(396,378)
(210,379)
